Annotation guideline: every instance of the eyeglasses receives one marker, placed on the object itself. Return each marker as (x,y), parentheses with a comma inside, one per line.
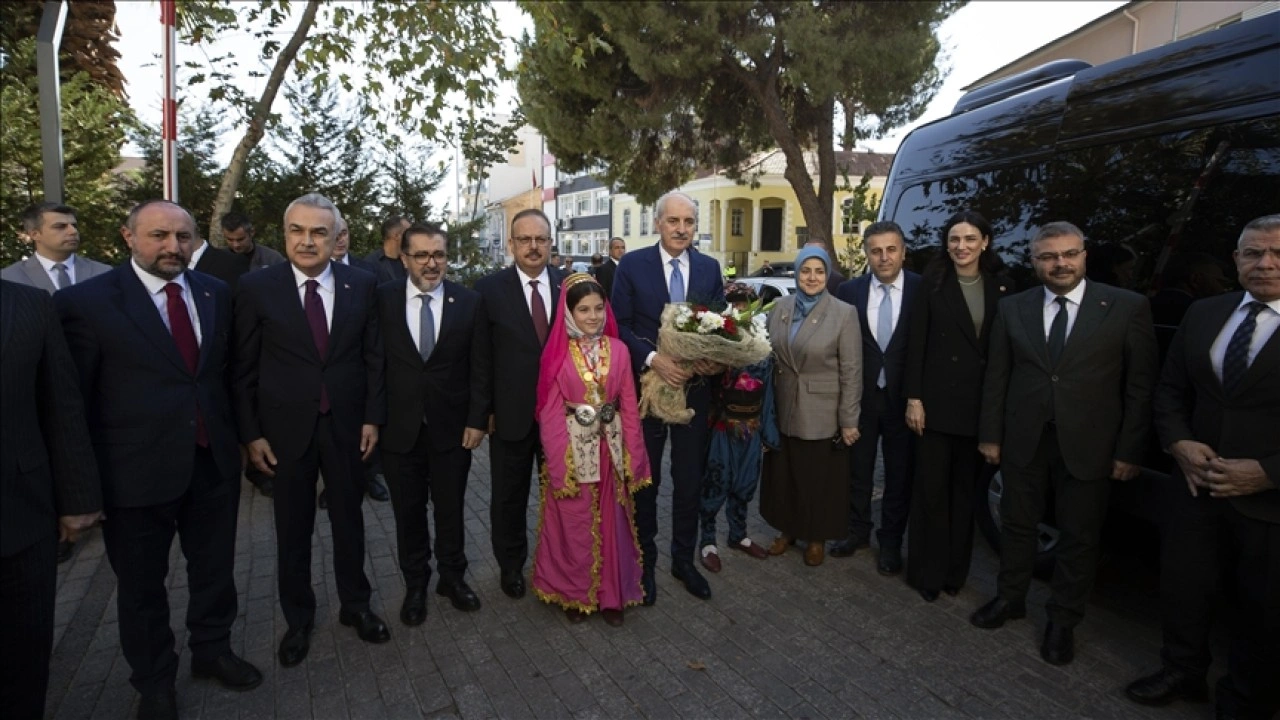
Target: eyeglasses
(527,240)
(1048,257)
(422,257)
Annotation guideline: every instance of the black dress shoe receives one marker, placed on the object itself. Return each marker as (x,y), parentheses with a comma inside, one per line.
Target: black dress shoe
(951,590)
(649,584)
(995,613)
(685,572)
(161,705)
(413,611)
(1167,685)
(929,595)
(1059,644)
(294,646)
(234,673)
(376,487)
(65,549)
(368,626)
(323,499)
(889,563)
(266,486)
(847,547)
(460,594)
(513,584)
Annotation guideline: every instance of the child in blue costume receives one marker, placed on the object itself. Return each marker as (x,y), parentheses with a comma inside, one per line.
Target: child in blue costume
(743,422)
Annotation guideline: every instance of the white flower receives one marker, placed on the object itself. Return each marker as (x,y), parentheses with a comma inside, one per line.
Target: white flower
(709,322)
(683,315)
(759,322)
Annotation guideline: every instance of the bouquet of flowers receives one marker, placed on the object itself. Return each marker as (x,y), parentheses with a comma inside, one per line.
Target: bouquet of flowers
(732,337)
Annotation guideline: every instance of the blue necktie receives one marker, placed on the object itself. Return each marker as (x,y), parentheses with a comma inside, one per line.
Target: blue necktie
(884,328)
(60,272)
(426,328)
(1236,361)
(675,289)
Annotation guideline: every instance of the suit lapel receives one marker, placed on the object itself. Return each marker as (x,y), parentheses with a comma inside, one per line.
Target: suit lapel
(902,330)
(291,301)
(1031,309)
(343,302)
(515,296)
(1267,361)
(137,305)
(1094,307)
(205,308)
(39,278)
(811,324)
(956,306)
(400,335)
(6,321)
(780,328)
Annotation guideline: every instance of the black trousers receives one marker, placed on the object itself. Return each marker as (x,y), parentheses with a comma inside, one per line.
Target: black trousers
(881,425)
(337,456)
(511,470)
(414,478)
(1192,535)
(943,496)
(28,580)
(1081,507)
(689,445)
(138,541)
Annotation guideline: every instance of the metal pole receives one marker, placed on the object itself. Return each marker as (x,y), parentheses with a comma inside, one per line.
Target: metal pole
(169,125)
(48,41)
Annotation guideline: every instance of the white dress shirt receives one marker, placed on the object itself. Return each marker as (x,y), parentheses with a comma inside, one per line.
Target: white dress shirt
(1074,298)
(544,289)
(325,291)
(1267,323)
(413,309)
(683,258)
(155,288)
(875,295)
(344,260)
(197,254)
(48,264)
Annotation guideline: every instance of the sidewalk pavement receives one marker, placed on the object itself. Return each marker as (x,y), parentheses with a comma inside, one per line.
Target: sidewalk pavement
(777,640)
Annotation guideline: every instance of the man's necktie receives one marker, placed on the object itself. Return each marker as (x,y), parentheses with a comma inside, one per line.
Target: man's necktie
(884,327)
(539,311)
(1058,331)
(314,307)
(675,289)
(184,335)
(1236,361)
(60,273)
(426,328)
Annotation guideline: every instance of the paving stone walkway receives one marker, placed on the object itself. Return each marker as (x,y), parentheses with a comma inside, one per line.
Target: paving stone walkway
(777,640)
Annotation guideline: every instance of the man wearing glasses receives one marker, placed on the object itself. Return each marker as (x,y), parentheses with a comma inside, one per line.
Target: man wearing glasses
(434,420)
(1066,406)
(515,316)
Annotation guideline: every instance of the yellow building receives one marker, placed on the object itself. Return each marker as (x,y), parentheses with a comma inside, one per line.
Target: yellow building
(747,225)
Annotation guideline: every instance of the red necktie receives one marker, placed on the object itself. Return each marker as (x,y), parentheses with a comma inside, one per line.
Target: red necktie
(184,335)
(319,332)
(539,310)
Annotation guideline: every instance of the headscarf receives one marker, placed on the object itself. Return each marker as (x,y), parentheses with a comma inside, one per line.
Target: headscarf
(805,301)
(563,331)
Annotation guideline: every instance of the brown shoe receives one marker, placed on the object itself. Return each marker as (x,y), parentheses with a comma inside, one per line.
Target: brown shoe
(780,545)
(575,615)
(814,553)
(751,548)
(710,558)
(612,618)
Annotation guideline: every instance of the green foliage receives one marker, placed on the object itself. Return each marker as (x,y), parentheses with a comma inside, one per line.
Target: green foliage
(655,90)
(860,206)
(94,123)
(199,140)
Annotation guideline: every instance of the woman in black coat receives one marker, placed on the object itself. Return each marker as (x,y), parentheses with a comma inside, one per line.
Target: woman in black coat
(946,360)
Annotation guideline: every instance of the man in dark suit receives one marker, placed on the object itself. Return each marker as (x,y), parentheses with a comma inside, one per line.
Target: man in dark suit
(646,280)
(150,339)
(222,264)
(884,298)
(604,273)
(1217,408)
(238,232)
(518,303)
(341,255)
(309,396)
(1066,406)
(386,259)
(49,487)
(434,416)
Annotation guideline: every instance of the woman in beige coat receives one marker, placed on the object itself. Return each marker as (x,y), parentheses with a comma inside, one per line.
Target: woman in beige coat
(817,348)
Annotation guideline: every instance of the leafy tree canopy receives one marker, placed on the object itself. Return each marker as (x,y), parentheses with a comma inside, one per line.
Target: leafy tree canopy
(655,90)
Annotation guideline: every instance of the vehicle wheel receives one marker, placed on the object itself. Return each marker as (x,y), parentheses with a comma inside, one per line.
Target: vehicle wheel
(988,518)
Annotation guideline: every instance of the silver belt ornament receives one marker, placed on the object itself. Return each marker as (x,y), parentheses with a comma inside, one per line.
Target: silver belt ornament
(586,415)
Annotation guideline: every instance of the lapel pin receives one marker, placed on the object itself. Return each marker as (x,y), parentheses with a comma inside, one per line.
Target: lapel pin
(1002,288)
(346,286)
(1103,303)
(450,299)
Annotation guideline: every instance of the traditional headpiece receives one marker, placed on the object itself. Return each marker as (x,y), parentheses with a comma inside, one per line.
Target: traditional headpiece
(574,279)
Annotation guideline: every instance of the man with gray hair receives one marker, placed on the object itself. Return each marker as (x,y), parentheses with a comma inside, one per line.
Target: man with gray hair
(309,397)
(1065,409)
(1217,408)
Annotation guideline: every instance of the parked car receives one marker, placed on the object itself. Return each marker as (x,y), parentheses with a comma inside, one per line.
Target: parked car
(1155,156)
(780,269)
(770,288)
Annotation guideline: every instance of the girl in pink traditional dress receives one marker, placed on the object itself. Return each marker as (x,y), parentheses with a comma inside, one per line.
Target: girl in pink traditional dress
(588,557)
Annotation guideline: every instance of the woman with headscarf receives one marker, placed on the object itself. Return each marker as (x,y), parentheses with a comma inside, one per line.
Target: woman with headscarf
(946,358)
(817,349)
(588,557)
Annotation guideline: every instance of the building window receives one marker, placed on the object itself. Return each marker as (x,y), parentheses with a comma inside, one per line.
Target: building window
(802,236)
(848,223)
(626,223)
(602,202)
(735,222)
(644,221)
(583,204)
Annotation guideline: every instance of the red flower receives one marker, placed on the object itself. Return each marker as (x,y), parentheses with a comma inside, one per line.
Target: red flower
(730,326)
